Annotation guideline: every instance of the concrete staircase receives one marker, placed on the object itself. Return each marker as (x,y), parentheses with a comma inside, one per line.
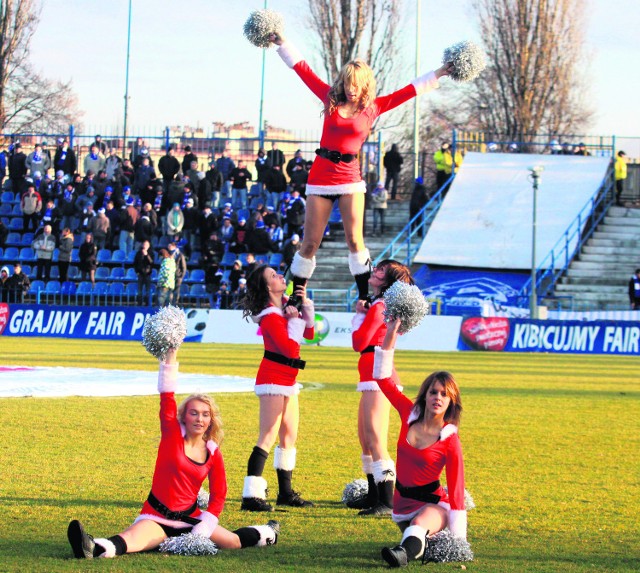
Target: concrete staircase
(598,278)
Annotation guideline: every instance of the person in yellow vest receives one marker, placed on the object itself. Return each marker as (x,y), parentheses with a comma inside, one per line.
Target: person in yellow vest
(451,165)
(621,174)
(438,158)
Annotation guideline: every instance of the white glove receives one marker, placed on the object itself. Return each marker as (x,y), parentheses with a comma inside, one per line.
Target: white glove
(208,522)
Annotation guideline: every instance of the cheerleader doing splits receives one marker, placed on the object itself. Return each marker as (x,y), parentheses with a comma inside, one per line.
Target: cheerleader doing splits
(350,108)
(283,328)
(188,454)
(368,331)
(428,443)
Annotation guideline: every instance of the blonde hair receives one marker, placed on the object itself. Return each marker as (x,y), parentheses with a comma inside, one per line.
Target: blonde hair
(355,72)
(214,431)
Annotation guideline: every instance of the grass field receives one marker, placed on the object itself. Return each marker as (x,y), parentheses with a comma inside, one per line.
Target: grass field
(551,453)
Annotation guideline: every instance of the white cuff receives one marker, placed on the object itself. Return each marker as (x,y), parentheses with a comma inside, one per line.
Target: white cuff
(367,463)
(284,459)
(295,329)
(301,267)
(254,486)
(458,523)
(289,54)
(309,313)
(357,320)
(109,547)
(360,262)
(168,377)
(208,522)
(426,83)
(382,363)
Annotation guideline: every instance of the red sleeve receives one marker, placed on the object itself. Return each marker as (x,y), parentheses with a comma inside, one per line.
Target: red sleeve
(361,338)
(311,80)
(309,332)
(398,400)
(455,473)
(169,424)
(217,485)
(275,328)
(388,102)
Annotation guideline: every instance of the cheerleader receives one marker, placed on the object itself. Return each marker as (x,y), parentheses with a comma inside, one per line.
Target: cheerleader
(283,328)
(368,331)
(350,108)
(427,444)
(188,454)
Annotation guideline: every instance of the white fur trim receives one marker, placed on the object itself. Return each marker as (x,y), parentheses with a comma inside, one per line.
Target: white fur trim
(367,463)
(277,390)
(382,363)
(400,517)
(267,535)
(372,386)
(381,470)
(360,262)
(163,520)
(448,431)
(269,310)
(255,486)
(458,523)
(284,459)
(168,377)
(415,414)
(415,531)
(302,267)
(357,320)
(208,522)
(343,189)
(109,547)
(212,447)
(426,83)
(289,54)
(309,313)
(295,329)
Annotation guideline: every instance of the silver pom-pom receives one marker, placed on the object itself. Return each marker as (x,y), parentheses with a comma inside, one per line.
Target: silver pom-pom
(165,329)
(189,544)
(469,504)
(443,547)
(260,25)
(407,303)
(203,499)
(468,61)
(355,491)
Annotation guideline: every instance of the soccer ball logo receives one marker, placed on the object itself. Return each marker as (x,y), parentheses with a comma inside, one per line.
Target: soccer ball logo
(321,330)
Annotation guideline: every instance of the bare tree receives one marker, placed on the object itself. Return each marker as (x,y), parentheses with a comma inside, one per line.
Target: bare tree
(533,82)
(348,29)
(28,101)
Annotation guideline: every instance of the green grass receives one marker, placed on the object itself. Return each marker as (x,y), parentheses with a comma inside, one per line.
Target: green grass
(551,451)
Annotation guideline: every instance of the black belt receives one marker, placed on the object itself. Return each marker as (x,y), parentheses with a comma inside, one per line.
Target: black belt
(336,156)
(173,515)
(420,492)
(280,359)
(367,350)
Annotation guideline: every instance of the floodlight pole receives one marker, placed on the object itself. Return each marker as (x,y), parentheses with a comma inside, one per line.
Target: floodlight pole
(261,129)
(126,87)
(533,298)
(416,109)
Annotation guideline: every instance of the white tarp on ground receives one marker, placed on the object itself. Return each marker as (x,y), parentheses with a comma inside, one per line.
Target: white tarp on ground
(486,218)
(62,381)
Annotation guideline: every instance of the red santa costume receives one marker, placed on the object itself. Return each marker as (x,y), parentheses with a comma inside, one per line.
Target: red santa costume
(421,468)
(344,136)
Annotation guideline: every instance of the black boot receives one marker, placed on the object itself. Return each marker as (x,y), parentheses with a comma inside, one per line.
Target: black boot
(362,282)
(366,501)
(81,542)
(385,500)
(286,495)
(395,556)
(294,299)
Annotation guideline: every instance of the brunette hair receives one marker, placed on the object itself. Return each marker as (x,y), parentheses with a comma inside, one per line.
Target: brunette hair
(257,297)
(214,431)
(356,71)
(454,411)
(163,254)
(394,272)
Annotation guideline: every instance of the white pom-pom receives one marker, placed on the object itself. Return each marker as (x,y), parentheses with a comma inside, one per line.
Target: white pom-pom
(260,25)
(407,303)
(355,491)
(468,61)
(189,544)
(203,499)
(444,547)
(165,329)
(469,504)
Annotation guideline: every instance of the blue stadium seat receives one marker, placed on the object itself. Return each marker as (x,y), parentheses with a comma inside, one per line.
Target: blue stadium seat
(56,255)
(53,287)
(131,275)
(26,269)
(194,259)
(154,275)
(116,290)
(102,274)
(16,224)
(75,256)
(244,214)
(74,272)
(130,257)
(104,256)
(242,257)
(68,288)
(119,256)
(6,209)
(196,276)
(84,287)
(17,210)
(55,272)
(163,242)
(262,259)
(5,220)
(27,239)
(28,255)
(335,218)
(36,287)
(117,274)
(227,260)
(14,240)
(275,259)
(131,290)
(11,254)
(198,291)
(6,197)
(77,240)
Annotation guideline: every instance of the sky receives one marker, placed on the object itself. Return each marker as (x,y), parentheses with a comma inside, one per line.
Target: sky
(191,65)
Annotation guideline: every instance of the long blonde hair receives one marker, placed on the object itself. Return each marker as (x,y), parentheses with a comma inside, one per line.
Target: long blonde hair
(214,431)
(356,71)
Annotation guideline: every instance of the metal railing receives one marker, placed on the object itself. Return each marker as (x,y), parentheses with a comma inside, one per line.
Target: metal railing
(557,261)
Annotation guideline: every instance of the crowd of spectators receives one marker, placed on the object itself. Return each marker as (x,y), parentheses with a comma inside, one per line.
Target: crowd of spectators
(173,212)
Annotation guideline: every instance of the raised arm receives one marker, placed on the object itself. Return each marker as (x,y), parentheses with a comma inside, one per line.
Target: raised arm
(167,384)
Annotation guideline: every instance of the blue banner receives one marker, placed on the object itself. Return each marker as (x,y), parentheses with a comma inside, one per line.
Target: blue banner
(104,323)
(560,336)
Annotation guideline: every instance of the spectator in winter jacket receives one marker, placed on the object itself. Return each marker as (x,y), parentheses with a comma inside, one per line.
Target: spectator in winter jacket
(181,271)
(276,183)
(112,164)
(128,219)
(239,177)
(392,163)
(37,161)
(17,169)
(31,205)
(169,167)
(258,241)
(143,265)
(65,250)
(175,222)
(215,180)
(188,157)
(294,214)
(17,285)
(262,168)
(379,206)
(88,259)
(100,228)
(94,160)
(64,158)
(275,156)
(225,165)
(144,173)
(166,278)
(4,233)
(52,216)
(44,245)
(419,198)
